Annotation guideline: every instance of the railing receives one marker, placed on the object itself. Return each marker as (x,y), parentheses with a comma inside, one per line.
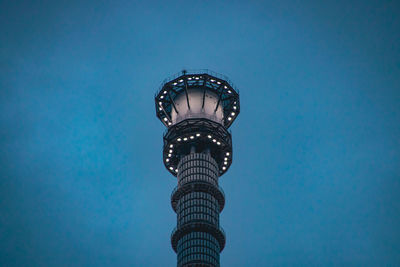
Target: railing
(167,130)
(197,72)
(186,184)
(176,228)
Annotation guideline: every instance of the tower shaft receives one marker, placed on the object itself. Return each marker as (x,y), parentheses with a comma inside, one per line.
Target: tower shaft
(198,211)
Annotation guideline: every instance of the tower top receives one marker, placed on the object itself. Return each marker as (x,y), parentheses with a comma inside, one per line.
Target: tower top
(197,94)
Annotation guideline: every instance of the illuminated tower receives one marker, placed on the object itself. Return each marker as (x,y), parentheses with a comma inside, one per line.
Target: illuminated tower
(197,108)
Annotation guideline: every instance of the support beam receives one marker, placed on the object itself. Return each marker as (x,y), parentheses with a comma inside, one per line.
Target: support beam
(204,92)
(186,91)
(204,96)
(172,102)
(219,96)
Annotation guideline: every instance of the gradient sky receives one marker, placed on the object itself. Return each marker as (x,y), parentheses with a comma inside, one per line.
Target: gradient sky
(315,178)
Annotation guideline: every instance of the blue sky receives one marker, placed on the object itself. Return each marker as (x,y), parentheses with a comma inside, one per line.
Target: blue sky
(315,177)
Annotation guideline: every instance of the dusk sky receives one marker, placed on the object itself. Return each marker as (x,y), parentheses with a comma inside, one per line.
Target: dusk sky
(315,179)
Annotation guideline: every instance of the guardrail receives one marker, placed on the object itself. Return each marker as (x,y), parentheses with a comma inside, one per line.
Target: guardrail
(197,72)
(217,227)
(217,186)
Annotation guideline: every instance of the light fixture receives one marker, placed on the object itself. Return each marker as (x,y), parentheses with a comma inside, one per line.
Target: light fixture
(164,92)
(197,134)
(229,118)
(165,119)
(171,168)
(167,160)
(175,83)
(171,145)
(185,139)
(218,143)
(225,159)
(160,103)
(161,97)
(224,168)
(214,140)
(229,91)
(191,137)
(234,107)
(227,153)
(209,136)
(180,80)
(170,151)
(233,113)
(169,155)
(179,139)
(169,123)
(189,78)
(218,82)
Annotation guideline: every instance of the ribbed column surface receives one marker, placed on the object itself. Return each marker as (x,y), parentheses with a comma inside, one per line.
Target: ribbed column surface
(198,246)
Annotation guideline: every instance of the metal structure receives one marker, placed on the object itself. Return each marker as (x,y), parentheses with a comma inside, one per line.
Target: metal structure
(197,108)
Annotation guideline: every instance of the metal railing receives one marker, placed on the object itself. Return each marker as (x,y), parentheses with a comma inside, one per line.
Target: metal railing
(176,228)
(197,72)
(201,118)
(196,182)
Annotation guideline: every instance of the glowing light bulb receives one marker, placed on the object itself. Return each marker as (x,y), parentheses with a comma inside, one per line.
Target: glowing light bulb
(179,139)
(197,134)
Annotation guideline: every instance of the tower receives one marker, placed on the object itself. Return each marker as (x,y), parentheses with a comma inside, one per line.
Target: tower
(197,108)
